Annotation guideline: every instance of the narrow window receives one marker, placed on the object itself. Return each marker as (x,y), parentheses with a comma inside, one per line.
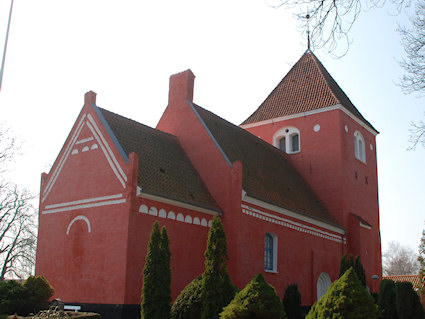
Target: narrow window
(359,147)
(282,144)
(268,252)
(295,142)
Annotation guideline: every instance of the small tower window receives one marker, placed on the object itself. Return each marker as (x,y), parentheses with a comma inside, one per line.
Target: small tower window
(359,147)
(288,140)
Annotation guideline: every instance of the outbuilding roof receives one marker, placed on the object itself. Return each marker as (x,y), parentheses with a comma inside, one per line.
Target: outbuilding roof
(308,86)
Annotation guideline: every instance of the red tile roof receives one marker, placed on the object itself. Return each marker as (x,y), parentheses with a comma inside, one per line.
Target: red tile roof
(307,87)
(267,172)
(164,168)
(414,279)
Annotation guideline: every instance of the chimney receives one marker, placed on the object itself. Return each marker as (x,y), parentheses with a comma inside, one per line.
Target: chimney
(90,98)
(181,87)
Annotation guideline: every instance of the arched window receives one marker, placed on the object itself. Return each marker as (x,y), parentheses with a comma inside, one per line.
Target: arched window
(288,140)
(359,147)
(323,284)
(270,252)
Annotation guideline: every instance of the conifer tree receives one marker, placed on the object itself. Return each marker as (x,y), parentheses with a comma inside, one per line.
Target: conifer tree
(292,302)
(407,302)
(346,298)
(217,288)
(257,300)
(348,261)
(421,259)
(156,277)
(387,299)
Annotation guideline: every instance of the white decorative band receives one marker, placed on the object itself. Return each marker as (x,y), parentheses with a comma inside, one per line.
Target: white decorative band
(85,203)
(290,224)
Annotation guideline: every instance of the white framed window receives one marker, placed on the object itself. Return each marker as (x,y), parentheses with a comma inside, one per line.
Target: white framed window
(323,283)
(270,252)
(359,147)
(287,139)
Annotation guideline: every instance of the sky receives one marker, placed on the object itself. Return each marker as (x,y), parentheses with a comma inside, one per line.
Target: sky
(239,51)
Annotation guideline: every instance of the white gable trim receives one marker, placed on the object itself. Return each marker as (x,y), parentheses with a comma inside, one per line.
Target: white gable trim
(88,120)
(321,110)
(178,204)
(254,201)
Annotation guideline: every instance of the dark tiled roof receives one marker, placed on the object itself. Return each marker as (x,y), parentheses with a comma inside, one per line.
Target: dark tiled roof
(308,86)
(267,173)
(164,168)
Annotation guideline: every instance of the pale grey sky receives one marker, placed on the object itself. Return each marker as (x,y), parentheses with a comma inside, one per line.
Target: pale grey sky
(239,50)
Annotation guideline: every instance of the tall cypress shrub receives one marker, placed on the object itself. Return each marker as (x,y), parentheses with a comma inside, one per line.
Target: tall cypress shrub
(349,261)
(156,277)
(292,302)
(407,302)
(217,289)
(387,299)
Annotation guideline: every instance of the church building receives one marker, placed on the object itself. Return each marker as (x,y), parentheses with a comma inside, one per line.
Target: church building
(295,186)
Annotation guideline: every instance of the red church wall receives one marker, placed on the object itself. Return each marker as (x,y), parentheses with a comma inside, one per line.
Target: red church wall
(82,219)
(303,251)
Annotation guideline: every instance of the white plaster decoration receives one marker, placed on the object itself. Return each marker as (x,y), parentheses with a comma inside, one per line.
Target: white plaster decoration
(153,211)
(359,147)
(290,224)
(196,221)
(371,147)
(85,149)
(188,219)
(316,128)
(171,215)
(180,217)
(204,222)
(85,203)
(162,213)
(85,140)
(74,151)
(323,284)
(94,147)
(80,217)
(209,223)
(346,128)
(287,139)
(143,209)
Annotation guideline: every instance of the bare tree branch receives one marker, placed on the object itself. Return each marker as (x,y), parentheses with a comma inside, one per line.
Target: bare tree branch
(399,260)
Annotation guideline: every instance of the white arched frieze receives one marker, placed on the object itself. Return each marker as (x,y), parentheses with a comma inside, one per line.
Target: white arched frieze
(171,215)
(80,217)
(153,211)
(180,217)
(162,213)
(323,284)
(204,222)
(188,219)
(196,221)
(143,209)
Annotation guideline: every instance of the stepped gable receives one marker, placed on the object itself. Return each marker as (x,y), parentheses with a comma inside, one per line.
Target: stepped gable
(307,87)
(164,168)
(267,172)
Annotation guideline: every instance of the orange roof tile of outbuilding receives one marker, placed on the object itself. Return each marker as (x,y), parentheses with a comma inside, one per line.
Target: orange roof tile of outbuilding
(414,279)
(307,87)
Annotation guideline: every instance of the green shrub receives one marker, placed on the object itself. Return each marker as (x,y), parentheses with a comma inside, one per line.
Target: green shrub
(292,302)
(188,304)
(408,304)
(346,298)
(387,299)
(257,300)
(217,288)
(349,261)
(31,296)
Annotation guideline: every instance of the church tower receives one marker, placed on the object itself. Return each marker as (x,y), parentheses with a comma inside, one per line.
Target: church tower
(333,147)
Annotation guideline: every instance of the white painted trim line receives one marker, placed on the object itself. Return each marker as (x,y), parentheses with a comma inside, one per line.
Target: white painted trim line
(365,226)
(179,204)
(84,140)
(286,212)
(321,110)
(88,205)
(79,217)
(290,224)
(83,201)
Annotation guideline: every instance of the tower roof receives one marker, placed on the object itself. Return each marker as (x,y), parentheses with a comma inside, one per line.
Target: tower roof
(307,87)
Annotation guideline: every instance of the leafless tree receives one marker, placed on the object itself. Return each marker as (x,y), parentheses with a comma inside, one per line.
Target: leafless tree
(17,219)
(329,21)
(399,260)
